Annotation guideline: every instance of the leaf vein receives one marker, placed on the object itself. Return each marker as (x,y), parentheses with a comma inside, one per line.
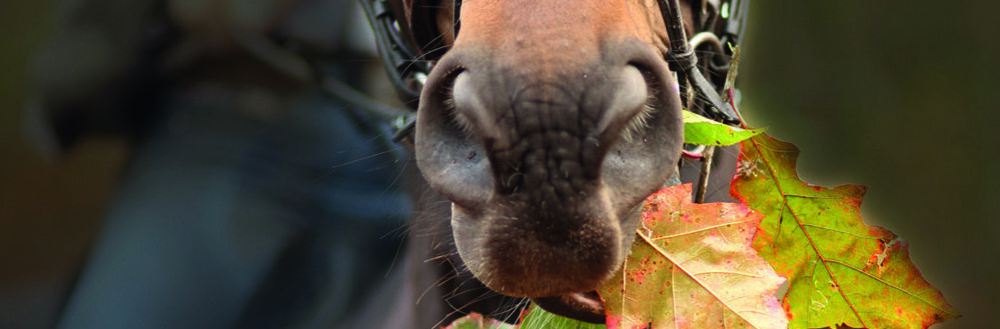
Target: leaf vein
(693,277)
(706,228)
(860,236)
(784,200)
(752,275)
(887,283)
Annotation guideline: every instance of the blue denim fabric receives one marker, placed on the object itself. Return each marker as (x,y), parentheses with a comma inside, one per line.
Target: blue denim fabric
(231,218)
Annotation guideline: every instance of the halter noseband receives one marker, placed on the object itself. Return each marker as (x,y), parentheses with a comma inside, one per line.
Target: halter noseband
(407,52)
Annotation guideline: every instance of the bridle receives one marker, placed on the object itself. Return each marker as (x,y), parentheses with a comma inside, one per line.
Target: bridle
(408,44)
(684,61)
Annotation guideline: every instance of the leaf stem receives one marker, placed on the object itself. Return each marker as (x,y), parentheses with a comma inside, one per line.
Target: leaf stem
(706,169)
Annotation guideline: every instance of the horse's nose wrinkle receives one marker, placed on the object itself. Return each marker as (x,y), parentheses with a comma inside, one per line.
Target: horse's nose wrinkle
(548,138)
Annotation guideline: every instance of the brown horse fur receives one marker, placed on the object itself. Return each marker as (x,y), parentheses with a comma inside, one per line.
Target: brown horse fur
(544,126)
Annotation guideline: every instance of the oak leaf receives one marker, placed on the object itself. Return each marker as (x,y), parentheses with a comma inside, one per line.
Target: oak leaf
(692,266)
(840,271)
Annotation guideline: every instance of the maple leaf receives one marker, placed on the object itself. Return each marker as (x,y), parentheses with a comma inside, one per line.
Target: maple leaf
(840,270)
(692,266)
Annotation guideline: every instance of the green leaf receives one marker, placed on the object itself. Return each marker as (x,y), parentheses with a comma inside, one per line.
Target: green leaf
(478,321)
(538,318)
(840,270)
(703,131)
(692,266)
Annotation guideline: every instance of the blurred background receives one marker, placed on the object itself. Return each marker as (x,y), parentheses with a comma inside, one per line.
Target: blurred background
(898,96)
(895,95)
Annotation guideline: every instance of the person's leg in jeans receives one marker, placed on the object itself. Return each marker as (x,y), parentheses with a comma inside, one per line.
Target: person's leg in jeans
(226,220)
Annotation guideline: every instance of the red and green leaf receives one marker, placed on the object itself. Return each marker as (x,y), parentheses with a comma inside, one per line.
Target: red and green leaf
(692,266)
(840,270)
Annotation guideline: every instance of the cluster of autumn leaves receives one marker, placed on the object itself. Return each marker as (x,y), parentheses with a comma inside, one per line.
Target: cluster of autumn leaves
(789,255)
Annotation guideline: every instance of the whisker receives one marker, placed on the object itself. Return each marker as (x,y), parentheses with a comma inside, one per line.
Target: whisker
(334,168)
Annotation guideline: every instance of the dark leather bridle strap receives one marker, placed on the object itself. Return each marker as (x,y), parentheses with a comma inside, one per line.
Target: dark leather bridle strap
(682,59)
(396,53)
(405,70)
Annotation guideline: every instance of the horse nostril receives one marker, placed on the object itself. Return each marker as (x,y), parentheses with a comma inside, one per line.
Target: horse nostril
(627,102)
(467,108)
(625,114)
(644,88)
(448,151)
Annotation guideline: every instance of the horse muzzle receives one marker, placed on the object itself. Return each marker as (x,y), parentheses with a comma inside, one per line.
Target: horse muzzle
(546,163)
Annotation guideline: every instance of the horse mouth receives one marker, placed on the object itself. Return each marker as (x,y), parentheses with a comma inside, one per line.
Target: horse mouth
(582,306)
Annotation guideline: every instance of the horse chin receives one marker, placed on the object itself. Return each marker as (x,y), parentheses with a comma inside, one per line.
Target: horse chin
(559,275)
(524,256)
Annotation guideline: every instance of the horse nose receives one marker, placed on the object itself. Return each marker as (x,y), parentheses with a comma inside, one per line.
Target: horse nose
(538,125)
(546,161)
(565,125)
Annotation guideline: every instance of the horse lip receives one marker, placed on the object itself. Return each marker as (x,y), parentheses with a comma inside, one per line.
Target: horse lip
(581,306)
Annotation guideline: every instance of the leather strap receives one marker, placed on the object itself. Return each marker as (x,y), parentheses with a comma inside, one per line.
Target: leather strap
(682,59)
